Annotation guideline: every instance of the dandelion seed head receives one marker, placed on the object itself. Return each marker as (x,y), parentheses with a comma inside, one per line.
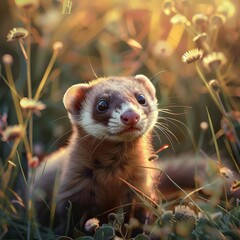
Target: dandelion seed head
(192,55)
(17,33)
(7,59)
(12,133)
(214,59)
(91,224)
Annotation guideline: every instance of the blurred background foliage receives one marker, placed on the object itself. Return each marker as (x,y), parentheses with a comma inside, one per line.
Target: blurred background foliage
(115,37)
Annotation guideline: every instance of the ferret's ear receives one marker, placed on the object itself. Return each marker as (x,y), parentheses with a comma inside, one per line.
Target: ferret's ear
(74,97)
(147,83)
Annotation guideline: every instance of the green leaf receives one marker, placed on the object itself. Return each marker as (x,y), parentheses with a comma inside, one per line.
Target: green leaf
(85,238)
(104,233)
(142,237)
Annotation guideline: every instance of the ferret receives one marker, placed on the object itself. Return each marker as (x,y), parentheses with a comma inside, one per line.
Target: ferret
(112,122)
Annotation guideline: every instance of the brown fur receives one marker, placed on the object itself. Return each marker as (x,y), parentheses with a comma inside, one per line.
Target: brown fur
(92,167)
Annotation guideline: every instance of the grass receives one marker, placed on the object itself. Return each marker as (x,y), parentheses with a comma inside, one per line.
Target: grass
(74,42)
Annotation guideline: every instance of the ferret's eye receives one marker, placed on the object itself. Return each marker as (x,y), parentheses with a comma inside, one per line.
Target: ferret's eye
(102,106)
(141,99)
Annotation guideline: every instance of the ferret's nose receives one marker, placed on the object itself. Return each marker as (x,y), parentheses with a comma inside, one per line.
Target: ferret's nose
(130,117)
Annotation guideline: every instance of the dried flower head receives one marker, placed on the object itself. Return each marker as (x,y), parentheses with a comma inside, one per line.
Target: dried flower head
(183,212)
(214,59)
(179,19)
(199,18)
(16,34)
(32,105)
(200,38)
(204,125)
(57,46)
(12,133)
(218,19)
(192,55)
(226,172)
(91,225)
(235,186)
(7,59)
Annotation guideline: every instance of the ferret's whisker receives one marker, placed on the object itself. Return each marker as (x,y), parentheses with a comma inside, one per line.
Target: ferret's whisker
(59,139)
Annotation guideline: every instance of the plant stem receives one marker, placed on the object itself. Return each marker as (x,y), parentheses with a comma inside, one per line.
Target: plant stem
(45,76)
(209,89)
(29,82)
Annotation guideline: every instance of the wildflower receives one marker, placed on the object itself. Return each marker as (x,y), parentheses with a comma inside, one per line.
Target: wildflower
(27,3)
(7,59)
(91,225)
(57,46)
(226,172)
(32,105)
(235,186)
(179,19)
(213,60)
(192,55)
(200,38)
(204,126)
(199,18)
(183,212)
(218,19)
(185,219)
(17,33)
(162,49)
(12,133)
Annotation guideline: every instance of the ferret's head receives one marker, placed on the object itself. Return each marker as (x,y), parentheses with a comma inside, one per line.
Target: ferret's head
(115,108)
